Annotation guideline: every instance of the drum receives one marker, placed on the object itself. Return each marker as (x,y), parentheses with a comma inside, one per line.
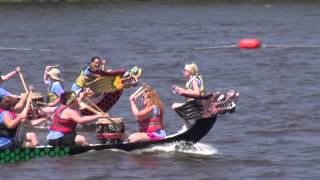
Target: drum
(110,131)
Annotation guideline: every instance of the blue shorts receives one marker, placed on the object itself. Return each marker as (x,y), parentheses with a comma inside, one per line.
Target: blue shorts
(6,143)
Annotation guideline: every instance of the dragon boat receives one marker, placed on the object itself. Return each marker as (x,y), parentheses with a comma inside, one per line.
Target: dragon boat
(202,111)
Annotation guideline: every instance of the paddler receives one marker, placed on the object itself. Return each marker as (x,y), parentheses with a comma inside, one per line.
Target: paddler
(150,118)
(12,113)
(65,118)
(6,77)
(88,74)
(194,88)
(52,78)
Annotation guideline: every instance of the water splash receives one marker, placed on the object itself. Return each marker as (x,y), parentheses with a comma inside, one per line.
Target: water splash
(183,147)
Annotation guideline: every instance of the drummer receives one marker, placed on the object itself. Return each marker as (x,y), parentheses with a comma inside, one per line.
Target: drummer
(52,78)
(150,118)
(88,74)
(6,77)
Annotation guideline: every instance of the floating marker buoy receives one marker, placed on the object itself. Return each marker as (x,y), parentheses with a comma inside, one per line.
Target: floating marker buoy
(249,43)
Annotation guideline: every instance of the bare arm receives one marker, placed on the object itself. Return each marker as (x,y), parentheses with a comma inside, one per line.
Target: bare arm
(54,103)
(11,123)
(75,116)
(21,104)
(38,121)
(11,74)
(194,92)
(95,75)
(45,75)
(140,115)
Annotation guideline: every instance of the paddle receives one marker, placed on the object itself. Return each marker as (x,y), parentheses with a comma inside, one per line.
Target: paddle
(94,105)
(20,135)
(23,82)
(27,106)
(55,66)
(139,91)
(86,106)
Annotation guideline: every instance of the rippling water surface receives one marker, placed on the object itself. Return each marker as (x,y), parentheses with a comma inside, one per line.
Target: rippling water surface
(273,134)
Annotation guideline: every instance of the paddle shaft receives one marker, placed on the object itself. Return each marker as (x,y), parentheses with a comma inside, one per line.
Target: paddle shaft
(23,82)
(55,66)
(94,105)
(139,91)
(93,110)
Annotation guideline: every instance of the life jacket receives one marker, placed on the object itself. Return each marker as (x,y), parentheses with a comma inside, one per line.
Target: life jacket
(82,80)
(200,83)
(152,123)
(65,126)
(51,96)
(4,131)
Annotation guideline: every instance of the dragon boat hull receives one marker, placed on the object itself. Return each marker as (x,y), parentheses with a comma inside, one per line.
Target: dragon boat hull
(200,128)
(202,111)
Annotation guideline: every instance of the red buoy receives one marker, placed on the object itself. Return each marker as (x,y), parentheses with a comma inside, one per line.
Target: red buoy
(249,43)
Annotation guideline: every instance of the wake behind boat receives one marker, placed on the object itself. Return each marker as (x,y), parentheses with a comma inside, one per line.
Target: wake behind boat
(203,111)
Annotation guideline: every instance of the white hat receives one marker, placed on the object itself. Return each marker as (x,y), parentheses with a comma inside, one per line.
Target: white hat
(55,74)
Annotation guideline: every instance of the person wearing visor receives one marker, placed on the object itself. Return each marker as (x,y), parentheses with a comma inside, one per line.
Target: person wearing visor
(52,78)
(65,118)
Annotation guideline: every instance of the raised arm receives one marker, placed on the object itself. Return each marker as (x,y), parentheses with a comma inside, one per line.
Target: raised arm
(11,74)
(45,75)
(140,115)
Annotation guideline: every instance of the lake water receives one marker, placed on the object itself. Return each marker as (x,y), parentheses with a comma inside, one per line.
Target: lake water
(273,134)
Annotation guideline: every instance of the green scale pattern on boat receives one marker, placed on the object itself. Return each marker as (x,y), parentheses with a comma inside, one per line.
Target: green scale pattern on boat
(15,155)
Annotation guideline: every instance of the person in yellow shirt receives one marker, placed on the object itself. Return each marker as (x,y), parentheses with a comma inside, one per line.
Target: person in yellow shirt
(88,74)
